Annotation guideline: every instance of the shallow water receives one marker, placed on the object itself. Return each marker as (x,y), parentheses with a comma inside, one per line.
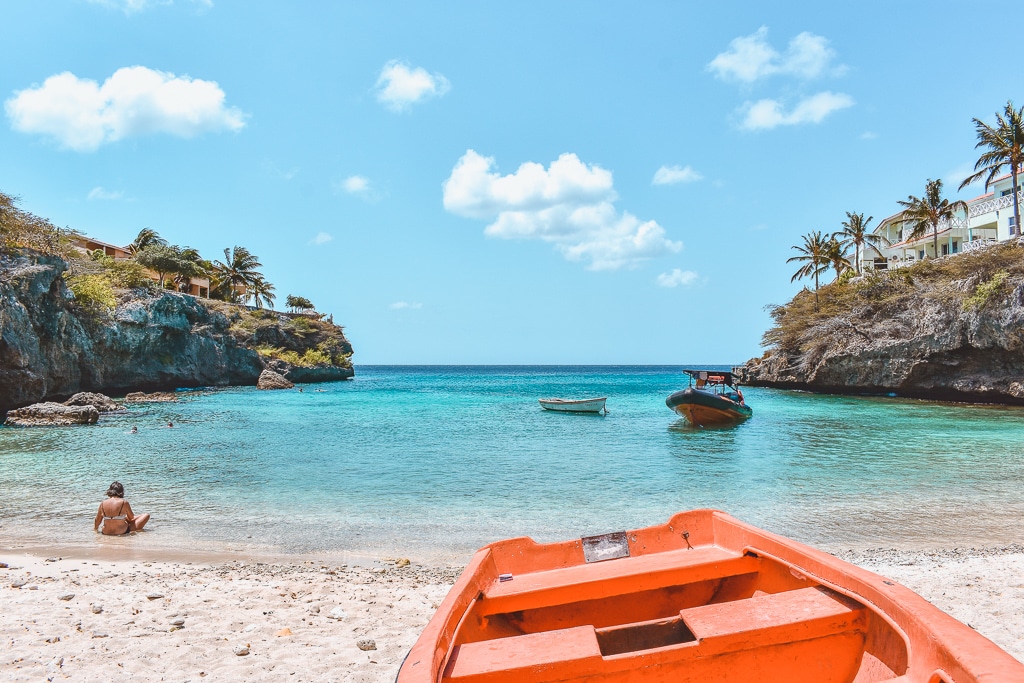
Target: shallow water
(433,462)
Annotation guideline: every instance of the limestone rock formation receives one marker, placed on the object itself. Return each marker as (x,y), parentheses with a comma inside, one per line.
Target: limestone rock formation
(103,403)
(950,329)
(152,397)
(52,414)
(52,348)
(272,380)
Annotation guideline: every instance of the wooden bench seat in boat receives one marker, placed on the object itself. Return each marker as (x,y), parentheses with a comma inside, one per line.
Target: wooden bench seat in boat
(614,577)
(808,634)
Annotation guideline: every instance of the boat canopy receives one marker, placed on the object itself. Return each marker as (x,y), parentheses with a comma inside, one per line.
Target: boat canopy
(713,377)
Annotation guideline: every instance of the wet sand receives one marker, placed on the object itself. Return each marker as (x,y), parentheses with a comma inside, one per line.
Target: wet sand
(90,619)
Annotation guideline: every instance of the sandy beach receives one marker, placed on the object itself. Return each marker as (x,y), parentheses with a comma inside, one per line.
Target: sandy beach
(87,619)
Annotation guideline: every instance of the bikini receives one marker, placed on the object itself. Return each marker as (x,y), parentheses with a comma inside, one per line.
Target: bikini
(121,517)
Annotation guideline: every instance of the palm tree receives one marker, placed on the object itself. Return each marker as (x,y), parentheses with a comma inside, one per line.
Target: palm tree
(147,237)
(1005,144)
(237,274)
(928,211)
(855,233)
(835,252)
(193,265)
(261,291)
(814,256)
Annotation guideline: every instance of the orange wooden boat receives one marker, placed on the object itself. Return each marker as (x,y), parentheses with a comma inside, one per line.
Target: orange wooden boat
(704,597)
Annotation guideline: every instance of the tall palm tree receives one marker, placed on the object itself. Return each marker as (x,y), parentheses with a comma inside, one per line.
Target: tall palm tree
(236,274)
(855,233)
(927,212)
(261,291)
(835,252)
(814,256)
(147,237)
(1005,145)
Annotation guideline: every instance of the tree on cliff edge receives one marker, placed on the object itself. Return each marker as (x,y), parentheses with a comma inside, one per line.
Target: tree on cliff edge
(1005,145)
(814,256)
(928,211)
(855,233)
(237,275)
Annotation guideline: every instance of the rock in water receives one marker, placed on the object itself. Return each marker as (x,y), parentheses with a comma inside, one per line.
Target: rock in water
(52,414)
(155,397)
(272,380)
(102,403)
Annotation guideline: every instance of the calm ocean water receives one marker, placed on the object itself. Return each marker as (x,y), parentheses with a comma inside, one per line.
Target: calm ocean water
(432,462)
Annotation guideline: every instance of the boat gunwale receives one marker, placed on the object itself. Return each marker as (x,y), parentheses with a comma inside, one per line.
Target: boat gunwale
(935,642)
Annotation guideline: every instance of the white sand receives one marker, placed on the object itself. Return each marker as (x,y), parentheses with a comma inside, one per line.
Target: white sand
(327,608)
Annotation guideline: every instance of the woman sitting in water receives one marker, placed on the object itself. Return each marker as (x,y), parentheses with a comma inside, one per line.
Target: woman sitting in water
(115,514)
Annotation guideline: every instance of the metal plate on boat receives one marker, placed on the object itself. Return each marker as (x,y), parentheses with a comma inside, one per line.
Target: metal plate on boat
(605,547)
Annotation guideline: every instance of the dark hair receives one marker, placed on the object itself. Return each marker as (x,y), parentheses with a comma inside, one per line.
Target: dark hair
(115,490)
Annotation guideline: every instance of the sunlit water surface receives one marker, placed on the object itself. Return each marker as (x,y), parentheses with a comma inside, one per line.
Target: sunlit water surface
(433,462)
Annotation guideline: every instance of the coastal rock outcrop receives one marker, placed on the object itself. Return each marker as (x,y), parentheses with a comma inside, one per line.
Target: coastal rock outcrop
(949,329)
(51,347)
(153,397)
(102,403)
(52,414)
(272,380)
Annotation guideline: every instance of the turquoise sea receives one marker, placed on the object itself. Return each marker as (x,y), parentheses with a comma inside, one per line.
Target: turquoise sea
(432,462)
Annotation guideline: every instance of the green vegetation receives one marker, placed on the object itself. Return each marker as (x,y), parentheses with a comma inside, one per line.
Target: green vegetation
(814,257)
(299,304)
(93,292)
(967,281)
(855,233)
(984,291)
(19,228)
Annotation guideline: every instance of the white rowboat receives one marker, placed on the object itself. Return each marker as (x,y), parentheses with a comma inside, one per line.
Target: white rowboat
(583,405)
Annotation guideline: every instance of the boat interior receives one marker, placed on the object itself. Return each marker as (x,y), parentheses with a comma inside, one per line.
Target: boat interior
(698,612)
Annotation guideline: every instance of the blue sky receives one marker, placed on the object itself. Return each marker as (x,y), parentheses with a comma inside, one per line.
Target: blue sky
(572,182)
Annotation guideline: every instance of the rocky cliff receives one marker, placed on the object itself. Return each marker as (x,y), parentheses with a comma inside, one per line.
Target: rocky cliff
(948,329)
(51,347)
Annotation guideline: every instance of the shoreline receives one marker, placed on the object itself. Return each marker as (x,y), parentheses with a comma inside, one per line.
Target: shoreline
(143,618)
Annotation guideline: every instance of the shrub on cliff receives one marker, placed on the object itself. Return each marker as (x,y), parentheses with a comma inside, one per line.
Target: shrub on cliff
(93,293)
(967,281)
(21,229)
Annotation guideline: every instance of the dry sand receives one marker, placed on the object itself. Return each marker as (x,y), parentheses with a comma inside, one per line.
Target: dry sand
(86,619)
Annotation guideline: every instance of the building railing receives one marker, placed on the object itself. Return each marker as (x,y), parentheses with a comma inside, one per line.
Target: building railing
(994,204)
(975,244)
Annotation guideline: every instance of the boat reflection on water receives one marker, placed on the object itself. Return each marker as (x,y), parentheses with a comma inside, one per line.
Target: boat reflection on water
(713,398)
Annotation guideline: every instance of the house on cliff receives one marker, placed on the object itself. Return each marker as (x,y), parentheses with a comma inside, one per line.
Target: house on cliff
(989,219)
(197,286)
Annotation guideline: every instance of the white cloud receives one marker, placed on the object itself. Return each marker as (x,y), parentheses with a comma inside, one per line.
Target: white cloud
(670,175)
(100,193)
(81,115)
(321,238)
(568,204)
(400,85)
(750,58)
(405,305)
(868,135)
(767,114)
(130,7)
(356,184)
(677,278)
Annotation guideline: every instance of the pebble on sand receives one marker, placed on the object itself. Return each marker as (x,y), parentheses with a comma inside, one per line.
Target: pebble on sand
(66,596)
(284,632)
(366,644)
(154,596)
(241,650)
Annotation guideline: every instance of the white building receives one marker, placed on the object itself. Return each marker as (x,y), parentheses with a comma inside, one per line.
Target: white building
(989,219)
